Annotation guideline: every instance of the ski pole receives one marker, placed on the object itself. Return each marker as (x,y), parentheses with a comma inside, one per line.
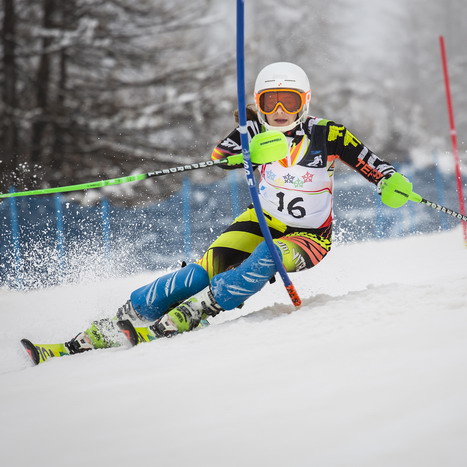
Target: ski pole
(247,159)
(416,198)
(116,181)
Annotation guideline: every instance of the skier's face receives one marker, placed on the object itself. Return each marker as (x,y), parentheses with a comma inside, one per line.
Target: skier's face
(280,118)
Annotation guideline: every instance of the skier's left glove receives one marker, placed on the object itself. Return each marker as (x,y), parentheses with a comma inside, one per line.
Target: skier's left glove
(265,147)
(394,190)
(235,160)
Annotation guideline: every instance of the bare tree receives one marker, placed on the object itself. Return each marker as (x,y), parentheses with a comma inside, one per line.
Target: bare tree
(9,131)
(111,86)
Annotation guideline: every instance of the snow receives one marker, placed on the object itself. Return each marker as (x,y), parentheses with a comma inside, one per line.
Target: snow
(371,371)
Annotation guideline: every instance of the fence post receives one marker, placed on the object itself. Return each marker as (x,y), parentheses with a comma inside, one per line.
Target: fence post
(59,227)
(186,194)
(412,221)
(15,238)
(379,228)
(234,197)
(105,217)
(440,189)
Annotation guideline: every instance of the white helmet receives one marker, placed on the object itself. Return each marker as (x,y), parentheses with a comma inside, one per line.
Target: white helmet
(283,75)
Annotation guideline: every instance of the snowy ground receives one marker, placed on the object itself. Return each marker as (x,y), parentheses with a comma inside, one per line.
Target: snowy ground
(371,371)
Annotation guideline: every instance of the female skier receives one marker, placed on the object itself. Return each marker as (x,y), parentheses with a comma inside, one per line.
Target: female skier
(296,194)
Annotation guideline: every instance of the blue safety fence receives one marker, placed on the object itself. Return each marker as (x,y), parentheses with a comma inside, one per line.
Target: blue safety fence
(49,240)
(360,215)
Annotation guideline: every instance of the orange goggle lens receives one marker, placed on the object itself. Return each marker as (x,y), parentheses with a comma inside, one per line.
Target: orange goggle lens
(290,100)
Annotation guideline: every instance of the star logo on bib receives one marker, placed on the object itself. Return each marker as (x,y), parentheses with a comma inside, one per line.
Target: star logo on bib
(270,174)
(289,178)
(308,177)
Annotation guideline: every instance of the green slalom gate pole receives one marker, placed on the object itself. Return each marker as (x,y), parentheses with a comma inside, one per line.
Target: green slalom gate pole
(116,181)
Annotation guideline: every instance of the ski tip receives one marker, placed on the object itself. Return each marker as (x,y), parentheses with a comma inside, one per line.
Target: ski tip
(31,351)
(128,331)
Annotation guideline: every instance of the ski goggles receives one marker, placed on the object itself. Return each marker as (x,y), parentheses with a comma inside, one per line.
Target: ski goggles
(291,100)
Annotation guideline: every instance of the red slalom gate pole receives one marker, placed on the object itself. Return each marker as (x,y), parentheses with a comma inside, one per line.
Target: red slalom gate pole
(455,151)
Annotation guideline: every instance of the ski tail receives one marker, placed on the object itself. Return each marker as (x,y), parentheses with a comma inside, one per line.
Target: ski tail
(39,353)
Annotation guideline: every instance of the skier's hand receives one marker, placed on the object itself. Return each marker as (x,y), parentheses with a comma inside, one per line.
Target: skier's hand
(265,147)
(235,159)
(395,191)
(268,146)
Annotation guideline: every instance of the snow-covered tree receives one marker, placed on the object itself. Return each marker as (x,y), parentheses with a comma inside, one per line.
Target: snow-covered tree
(109,84)
(106,87)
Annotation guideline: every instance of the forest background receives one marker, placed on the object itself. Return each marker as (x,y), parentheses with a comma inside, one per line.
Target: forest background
(96,89)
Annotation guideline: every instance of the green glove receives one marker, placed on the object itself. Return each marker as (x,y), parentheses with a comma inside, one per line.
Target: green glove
(236,159)
(395,191)
(268,146)
(265,147)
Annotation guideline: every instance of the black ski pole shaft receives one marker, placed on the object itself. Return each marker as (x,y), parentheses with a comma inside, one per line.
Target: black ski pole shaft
(416,198)
(440,208)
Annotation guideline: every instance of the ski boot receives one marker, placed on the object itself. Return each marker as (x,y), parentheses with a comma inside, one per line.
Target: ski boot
(187,315)
(80,343)
(104,333)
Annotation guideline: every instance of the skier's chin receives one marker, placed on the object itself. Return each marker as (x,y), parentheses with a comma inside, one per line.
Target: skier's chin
(281,122)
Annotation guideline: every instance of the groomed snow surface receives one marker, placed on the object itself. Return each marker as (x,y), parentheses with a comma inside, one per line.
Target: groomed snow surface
(371,371)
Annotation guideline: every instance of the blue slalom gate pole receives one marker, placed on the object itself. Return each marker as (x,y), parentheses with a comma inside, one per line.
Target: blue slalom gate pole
(246,156)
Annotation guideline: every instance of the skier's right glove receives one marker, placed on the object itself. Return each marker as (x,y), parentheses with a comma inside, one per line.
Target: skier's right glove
(395,190)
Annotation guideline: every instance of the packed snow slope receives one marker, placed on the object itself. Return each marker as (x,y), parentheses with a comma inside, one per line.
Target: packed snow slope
(371,371)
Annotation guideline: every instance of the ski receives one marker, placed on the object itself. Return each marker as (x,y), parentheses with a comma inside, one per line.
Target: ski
(138,335)
(39,353)
(135,335)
